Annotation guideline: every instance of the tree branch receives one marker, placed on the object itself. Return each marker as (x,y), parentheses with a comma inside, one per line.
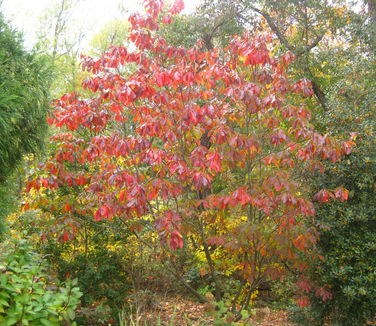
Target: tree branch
(310,46)
(274,28)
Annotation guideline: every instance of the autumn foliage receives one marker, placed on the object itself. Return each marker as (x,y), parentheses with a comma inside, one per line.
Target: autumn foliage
(210,146)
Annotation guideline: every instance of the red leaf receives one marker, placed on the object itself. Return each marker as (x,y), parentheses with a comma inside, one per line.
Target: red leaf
(323,196)
(122,194)
(323,293)
(278,137)
(103,212)
(341,193)
(66,236)
(67,208)
(177,7)
(304,285)
(166,19)
(214,161)
(241,196)
(176,240)
(81,180)
(201,180)
(300,242)
(304,301)
(276,183)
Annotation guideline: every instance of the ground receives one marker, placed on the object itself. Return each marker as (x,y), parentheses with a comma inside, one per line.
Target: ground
(182,312)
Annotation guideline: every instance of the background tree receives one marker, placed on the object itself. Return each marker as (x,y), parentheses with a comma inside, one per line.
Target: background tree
(62,44)
(114,32)
(213,22)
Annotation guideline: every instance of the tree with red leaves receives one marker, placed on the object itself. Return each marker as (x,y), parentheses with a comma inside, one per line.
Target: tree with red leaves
(204,143)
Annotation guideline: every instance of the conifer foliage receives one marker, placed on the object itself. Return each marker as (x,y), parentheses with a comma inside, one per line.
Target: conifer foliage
(23,100)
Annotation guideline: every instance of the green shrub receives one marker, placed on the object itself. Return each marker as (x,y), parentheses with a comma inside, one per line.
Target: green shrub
(100,276)
(27,296)
(347,243)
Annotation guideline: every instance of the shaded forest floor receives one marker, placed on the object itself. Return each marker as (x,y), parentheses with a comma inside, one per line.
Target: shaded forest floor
(183,312)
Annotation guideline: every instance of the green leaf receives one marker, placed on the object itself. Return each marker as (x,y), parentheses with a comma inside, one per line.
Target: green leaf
(10,321)
(47,322)
(71,314)
(4,294)
(244,314)
(3,302)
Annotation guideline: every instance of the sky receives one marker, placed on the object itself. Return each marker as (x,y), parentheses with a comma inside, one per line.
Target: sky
(92,14)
